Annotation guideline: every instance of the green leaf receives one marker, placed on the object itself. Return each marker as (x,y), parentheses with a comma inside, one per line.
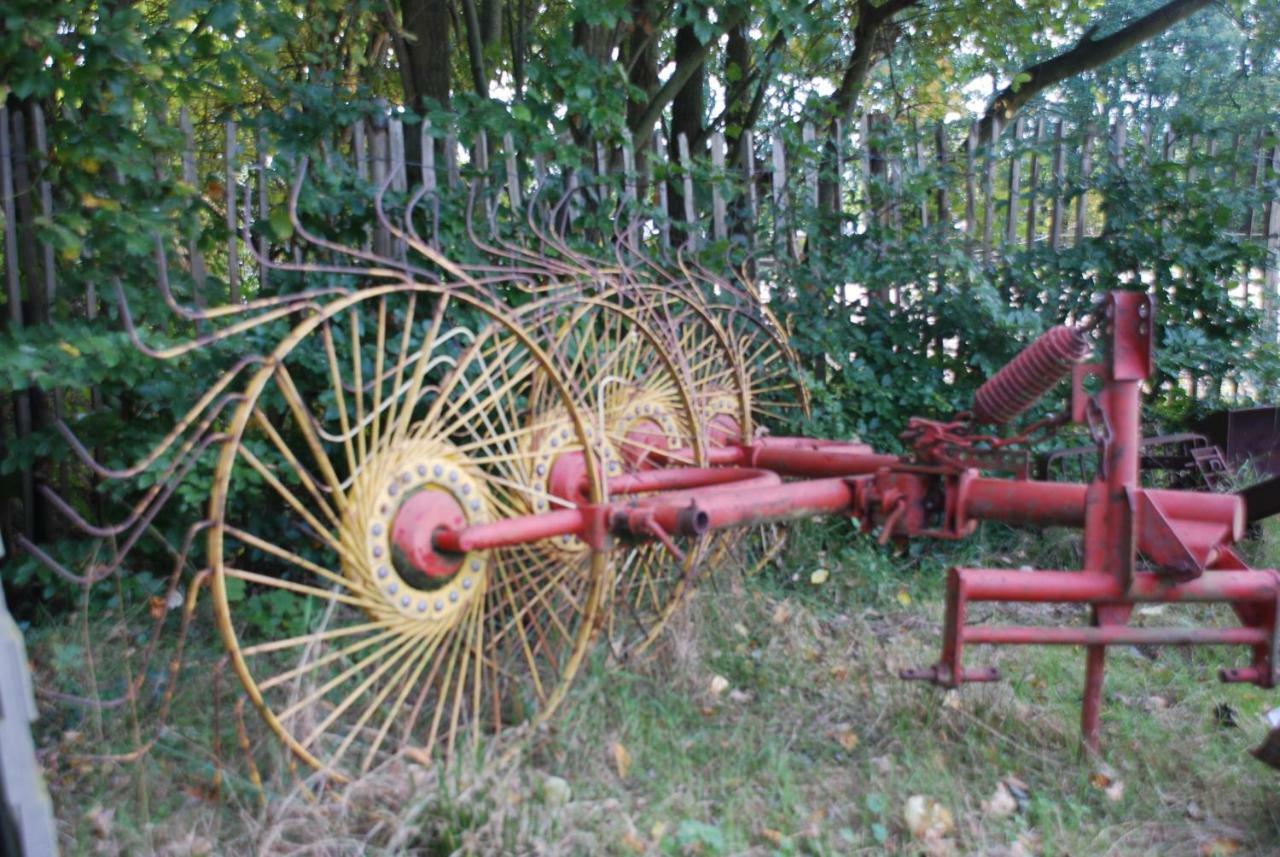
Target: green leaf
(281,226)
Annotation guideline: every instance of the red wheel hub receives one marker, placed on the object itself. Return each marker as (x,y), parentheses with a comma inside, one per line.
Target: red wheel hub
(417,521)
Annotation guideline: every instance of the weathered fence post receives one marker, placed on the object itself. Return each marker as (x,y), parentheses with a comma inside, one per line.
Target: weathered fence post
(1086,172)
(1059,176)
(1015,188)
(719,230)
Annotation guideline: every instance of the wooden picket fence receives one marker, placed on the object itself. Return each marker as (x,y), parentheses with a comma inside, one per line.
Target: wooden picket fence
(1038,185)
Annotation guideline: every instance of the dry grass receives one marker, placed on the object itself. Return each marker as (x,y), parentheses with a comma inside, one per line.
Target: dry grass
(808,744)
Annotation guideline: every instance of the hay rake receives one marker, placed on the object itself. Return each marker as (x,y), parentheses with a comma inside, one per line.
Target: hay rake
(451,481)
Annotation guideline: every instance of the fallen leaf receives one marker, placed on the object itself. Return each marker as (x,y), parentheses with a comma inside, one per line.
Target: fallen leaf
(1221,846)
(781,613)
(839,673)
(1105,780)
(951,699)
(819,577)
(1021,792)
(773,837)
(846,738)
(101,820)
(634,843)
(1194,812)
(740,697)
(926,818)
(556,791)
(621,759)
(741,630)
(719,684)
(156,607)
(904,598)
(1001,803)
(658,831)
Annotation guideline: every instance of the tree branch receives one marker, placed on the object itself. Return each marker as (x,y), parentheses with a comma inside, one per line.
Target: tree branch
(1086,54)
(644,124)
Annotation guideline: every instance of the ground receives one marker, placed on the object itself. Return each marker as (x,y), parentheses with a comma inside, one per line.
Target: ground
(769,720)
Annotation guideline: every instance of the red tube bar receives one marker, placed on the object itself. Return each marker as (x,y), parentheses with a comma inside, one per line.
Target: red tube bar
(989,584)
(1013,501)
(820,462)
(684,478)
(730,508)
(512,531)
(1111,635)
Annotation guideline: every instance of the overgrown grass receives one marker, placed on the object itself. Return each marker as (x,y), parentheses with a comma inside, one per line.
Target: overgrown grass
(769,720)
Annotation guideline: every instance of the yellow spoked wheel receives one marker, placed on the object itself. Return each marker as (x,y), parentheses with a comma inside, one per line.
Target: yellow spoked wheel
(623,374)
(372,424)
(774,398)
(769,367)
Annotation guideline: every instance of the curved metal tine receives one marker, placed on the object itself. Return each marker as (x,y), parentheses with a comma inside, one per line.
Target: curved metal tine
(530,265)
(410,239)
(549,264)
(380,268)
(145,510)
(407,238)
(130,693)
(503,250)
(208,401)
(162,270)
(101,531)
(126,319)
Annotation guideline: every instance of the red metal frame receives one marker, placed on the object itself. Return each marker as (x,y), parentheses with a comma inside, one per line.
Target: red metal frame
(1184,538)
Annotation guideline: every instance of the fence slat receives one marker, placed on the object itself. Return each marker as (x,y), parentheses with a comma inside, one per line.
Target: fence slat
(1271,273)
(970,189)
(199,270)
(428,146)
(989,193)
(451,159)
(513,171)
(690,214)
(839,145)
(664,200)
(399,175)
(749,170)
(359,150)
(13,285)
(1086,172)
(629,166)
(717,195)
(781,229)
(1059,176)
(233,249)
(809,136)
(261,168)
(46,207)
(920,168)
(1015,186)
(1033,182)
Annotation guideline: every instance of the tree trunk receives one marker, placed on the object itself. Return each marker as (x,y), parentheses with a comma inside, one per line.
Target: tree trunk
(687,114)
(641,57)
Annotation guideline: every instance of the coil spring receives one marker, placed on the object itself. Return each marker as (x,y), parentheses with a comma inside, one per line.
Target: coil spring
(1030,375)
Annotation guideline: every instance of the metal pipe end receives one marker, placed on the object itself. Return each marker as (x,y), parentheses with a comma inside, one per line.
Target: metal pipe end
(692,521)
